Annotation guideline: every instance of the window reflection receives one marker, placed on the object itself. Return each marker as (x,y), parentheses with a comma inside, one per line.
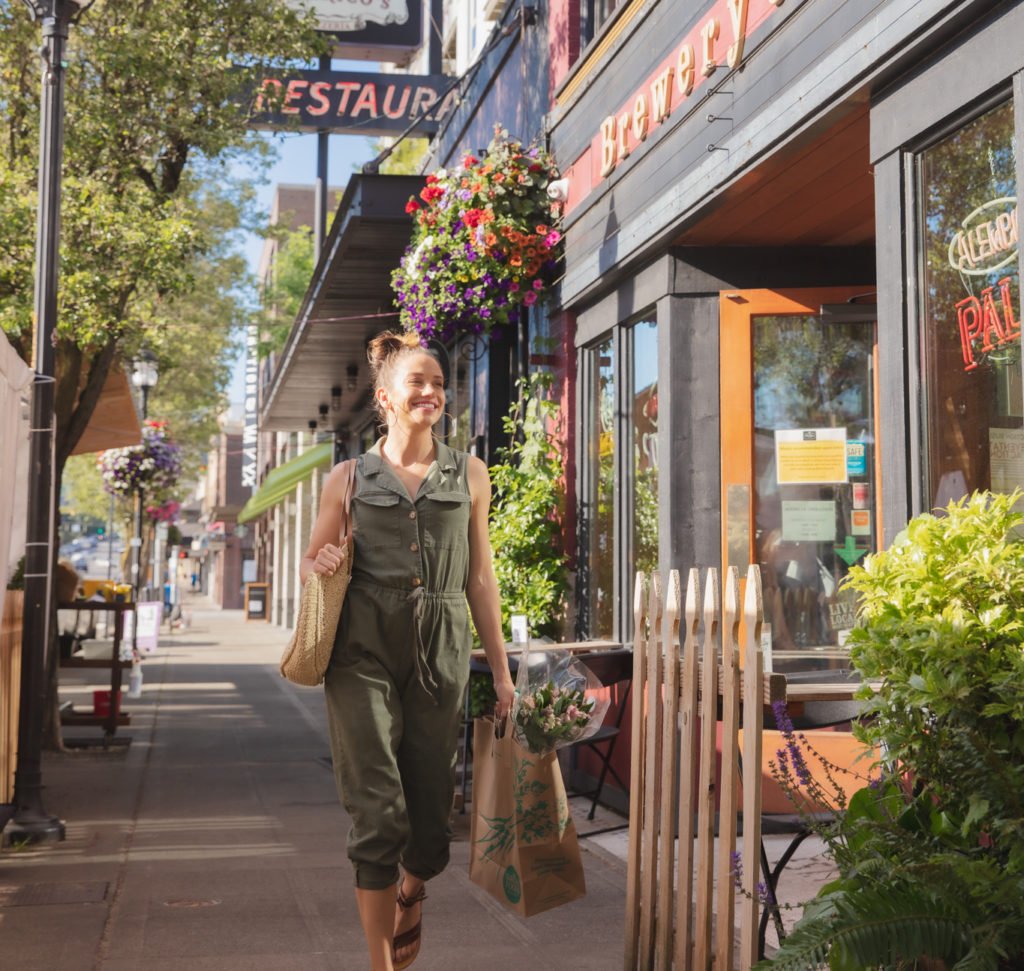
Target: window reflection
(971,296)
(644,414)
(600,546)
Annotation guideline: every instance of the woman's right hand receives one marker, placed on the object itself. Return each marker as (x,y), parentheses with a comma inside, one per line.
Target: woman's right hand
(328,559)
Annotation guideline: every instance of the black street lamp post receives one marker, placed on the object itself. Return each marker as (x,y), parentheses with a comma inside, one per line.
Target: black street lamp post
(31,822)
(144,377)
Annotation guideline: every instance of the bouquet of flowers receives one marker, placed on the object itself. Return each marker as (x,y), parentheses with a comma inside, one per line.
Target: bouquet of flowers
(555,703)
(485,243)
(153,466)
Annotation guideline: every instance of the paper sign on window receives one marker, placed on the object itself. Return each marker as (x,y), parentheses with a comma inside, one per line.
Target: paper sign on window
(810,455)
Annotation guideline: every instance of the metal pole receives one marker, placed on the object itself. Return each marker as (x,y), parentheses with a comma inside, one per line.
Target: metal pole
(110,539)
(320,201)
(31,822)
(137,577)
(434,54)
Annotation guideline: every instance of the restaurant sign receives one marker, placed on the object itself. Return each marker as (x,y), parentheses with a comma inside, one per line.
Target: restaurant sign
(369,30)
(716,41)
(360,104)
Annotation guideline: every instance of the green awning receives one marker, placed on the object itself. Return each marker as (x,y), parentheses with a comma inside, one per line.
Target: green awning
(280,482)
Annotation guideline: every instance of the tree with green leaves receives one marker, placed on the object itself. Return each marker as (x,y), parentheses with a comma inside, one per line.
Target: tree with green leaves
(146,199)
(293,267)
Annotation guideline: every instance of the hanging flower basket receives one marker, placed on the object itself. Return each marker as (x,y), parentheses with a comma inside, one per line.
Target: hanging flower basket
(153,466)
(166,512)
(486,243)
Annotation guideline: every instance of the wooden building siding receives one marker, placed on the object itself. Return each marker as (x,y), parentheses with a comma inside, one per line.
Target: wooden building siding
(509,88)
(820,55)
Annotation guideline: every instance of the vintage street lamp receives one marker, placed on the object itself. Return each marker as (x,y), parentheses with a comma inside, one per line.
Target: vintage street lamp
(144,377)
(31,822)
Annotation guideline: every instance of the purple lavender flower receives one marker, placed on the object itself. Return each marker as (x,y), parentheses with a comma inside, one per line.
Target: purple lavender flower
(736,869)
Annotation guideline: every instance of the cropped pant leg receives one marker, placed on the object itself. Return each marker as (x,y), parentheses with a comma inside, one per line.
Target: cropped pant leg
(365,720)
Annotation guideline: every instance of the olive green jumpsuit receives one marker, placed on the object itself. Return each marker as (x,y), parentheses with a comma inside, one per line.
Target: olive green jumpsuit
(397,675)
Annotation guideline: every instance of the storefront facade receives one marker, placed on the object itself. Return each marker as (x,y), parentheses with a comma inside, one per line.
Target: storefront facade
(792,276)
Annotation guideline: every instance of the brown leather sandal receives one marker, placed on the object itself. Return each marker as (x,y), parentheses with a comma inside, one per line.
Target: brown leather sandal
(411,937)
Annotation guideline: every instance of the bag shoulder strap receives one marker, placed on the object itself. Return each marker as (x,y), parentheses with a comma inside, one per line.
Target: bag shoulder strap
(346,506)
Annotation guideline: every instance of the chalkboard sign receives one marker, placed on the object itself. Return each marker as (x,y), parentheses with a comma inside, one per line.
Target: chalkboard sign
(257,600)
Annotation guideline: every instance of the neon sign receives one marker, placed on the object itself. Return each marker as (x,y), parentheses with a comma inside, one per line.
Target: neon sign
(980,318)
(988,240)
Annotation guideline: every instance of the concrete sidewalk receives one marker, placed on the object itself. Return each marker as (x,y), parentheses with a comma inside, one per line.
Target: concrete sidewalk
(216,841)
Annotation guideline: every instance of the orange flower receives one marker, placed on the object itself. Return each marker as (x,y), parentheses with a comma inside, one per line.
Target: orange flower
(531,251)
(533,267)
(499,177)
(490,239)
(516,260)
(542,230)
(543,249)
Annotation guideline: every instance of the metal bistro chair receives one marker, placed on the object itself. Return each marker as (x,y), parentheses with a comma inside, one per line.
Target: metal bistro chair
(611,668)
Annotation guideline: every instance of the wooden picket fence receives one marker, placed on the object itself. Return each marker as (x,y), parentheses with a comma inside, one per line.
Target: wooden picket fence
(682,901)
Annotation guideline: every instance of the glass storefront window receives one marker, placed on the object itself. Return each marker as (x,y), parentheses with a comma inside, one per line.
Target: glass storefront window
(620,479)
(644,435)
(600,504)
(974,414)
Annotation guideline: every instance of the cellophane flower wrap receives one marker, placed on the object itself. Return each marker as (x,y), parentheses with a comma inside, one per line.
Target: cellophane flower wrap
(486,243)
(153,466)
(556,702)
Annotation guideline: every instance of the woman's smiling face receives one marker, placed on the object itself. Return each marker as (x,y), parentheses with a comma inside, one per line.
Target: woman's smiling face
(415,391)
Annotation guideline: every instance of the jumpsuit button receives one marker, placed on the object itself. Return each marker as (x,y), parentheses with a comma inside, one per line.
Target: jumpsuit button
(412,515)
(416,581)
(415,547)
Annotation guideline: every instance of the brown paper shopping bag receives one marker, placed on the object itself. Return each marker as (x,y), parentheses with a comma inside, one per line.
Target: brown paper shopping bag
(523,840)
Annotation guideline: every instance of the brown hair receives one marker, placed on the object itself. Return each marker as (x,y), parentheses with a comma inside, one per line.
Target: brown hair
(383,353)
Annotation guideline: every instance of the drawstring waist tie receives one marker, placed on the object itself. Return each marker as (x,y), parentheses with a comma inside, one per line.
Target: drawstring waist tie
(419,597)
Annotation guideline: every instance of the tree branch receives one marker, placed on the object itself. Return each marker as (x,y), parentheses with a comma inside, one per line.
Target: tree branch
(70,432)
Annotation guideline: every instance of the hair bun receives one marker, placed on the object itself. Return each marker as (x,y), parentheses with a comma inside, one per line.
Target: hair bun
(387,345)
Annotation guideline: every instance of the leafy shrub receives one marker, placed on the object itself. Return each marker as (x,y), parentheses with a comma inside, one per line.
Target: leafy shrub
(529,500)
(931,854)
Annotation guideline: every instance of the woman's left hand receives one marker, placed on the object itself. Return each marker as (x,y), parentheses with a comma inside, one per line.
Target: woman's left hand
(505,689)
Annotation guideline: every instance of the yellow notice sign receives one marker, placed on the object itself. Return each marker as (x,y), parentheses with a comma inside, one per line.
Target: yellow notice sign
(805,456)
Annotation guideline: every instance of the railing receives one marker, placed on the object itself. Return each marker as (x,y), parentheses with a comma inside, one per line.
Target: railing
(683,900)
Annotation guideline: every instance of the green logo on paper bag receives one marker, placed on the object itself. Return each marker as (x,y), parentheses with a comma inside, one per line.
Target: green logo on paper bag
(512,886)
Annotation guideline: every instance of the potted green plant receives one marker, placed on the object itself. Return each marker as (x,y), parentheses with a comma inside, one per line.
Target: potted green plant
(931,854)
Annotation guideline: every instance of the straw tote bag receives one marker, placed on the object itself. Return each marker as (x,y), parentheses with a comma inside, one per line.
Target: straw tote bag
(308,653)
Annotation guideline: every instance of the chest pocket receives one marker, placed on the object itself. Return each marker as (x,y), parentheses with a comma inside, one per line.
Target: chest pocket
(444,520)
(375,520)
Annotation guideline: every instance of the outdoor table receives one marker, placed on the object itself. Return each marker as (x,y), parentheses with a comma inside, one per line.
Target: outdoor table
(114,717)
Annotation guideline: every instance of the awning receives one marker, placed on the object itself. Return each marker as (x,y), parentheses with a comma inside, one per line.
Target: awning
(281,481)
(114,422)
(349,300)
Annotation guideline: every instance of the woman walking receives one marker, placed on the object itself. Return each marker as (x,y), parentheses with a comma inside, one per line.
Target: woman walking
(401,656)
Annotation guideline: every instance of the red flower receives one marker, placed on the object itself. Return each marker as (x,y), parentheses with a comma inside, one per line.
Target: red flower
(411,206)
(474,217)
(470,160)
